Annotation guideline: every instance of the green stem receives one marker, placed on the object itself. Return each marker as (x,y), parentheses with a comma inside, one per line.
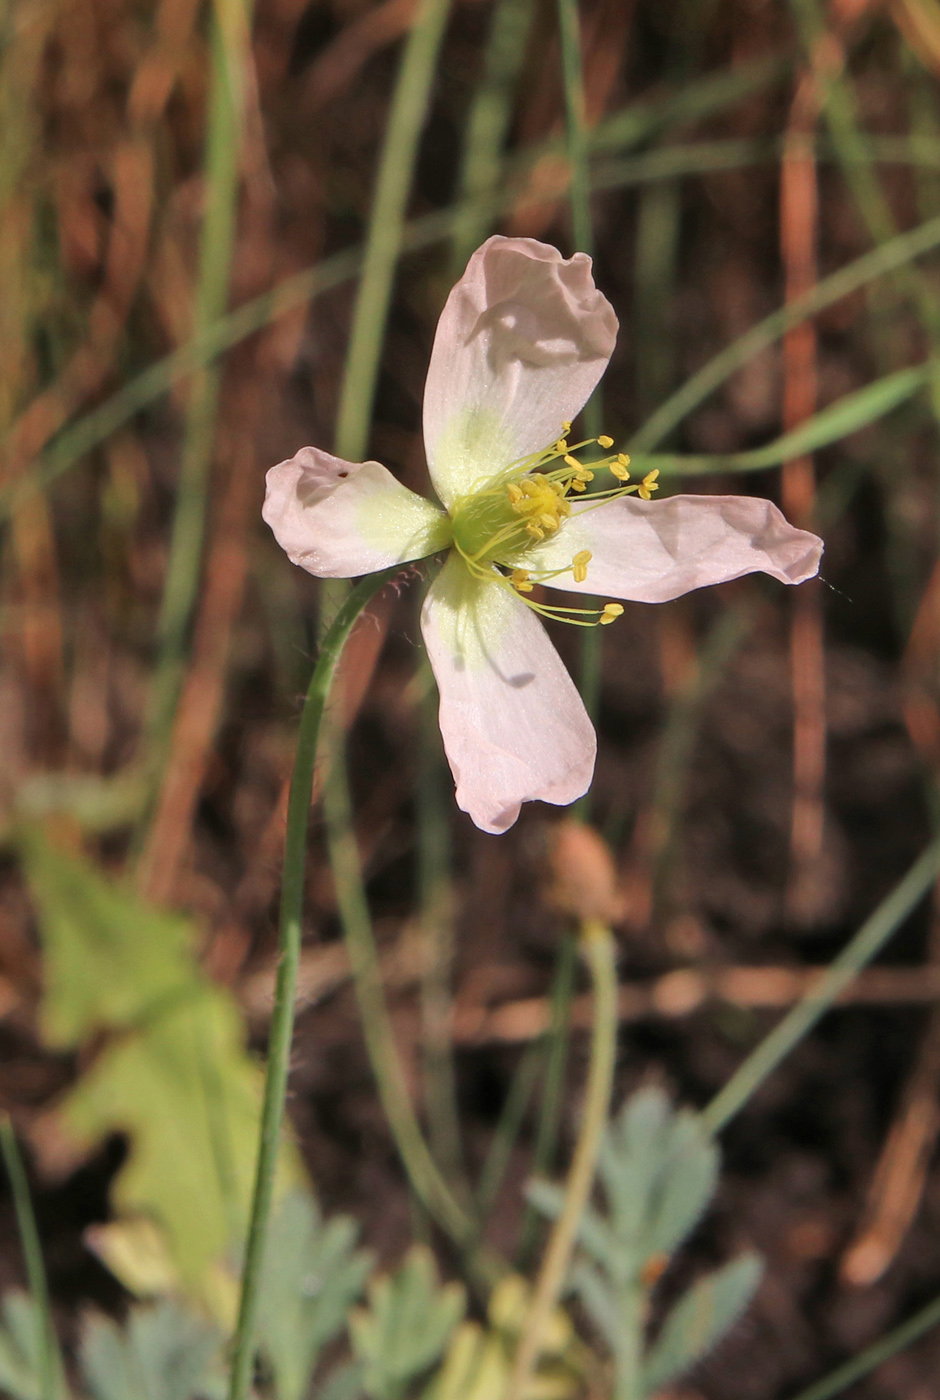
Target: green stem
(47,1348)
(873,1356)
(628,1354)
(425,1178)
(597,945)
(507,1129)
(869,940)
(289,935)
(437,928)
(556,1060)
(487,127)
(583,230)
(95,427)
(879,262)
(386,225)
(230,33)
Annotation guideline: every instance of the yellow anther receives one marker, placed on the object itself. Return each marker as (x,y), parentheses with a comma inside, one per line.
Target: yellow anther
(578,485)
(561,446)
(520,581)
(514,493)
(566,427)
(619,471)
(611,612)
(605,441)
(550,522)
(534,531)
(579,565)
(649,484)
(573,462)
(623,459)
(584,475)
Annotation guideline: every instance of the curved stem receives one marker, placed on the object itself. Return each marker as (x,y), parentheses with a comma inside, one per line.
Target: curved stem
(289,931)
(47,1349)
(597,945)
(423,1172)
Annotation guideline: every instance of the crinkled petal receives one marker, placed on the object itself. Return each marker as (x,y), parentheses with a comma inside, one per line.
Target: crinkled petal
(340,519)
(650,551)
(523,339)
(513,724)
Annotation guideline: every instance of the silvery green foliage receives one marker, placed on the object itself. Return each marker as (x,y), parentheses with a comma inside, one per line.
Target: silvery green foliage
(312,1276)
(406,1326)
(19,1347)
(700,1319)
(658,1170)
(164,1352)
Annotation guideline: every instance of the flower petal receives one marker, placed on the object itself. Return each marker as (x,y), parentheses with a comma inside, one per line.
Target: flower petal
(650,551)
(522,341)
(513,724)
(340,519)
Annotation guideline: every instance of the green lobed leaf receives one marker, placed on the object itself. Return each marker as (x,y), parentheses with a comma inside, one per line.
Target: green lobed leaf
(164,1352)
(700,1319)
(174,1076)
(312,1276)
(109,956)
(406,1327)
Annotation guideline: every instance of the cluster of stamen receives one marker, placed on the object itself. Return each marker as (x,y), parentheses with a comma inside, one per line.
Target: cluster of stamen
(528,502)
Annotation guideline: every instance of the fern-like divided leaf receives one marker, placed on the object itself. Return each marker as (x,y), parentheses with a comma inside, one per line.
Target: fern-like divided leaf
(658,1170)
(406,1327)
(164,1352)
(312,1276)
(700,1319)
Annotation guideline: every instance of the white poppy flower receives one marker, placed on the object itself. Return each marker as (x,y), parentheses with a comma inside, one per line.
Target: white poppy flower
(522,341)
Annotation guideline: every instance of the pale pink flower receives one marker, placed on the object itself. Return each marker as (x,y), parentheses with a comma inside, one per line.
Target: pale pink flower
(522,341)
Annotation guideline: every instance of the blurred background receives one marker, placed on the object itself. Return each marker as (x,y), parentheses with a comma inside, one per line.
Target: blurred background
(189,194)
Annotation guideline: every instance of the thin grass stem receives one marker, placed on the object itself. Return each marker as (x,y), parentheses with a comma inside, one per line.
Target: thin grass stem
(96,426)
(569,27)
(437,926)
(597,945)
(867,942)
(508,1127)
(881,261)
(230,26)
(556,1063)
(423,1173)
(875,1355)
(47,1346)
(386,226)
(289,936)
(487,127)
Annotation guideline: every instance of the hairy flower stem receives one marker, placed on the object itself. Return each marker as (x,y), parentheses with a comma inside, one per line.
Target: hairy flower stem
(597,946)
(289,931)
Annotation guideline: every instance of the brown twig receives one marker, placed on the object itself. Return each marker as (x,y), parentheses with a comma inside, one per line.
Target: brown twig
(897,1187)
(799,219)
(674,995)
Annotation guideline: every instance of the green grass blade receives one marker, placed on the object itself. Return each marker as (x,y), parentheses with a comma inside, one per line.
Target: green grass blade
(872,1357)
(146,388)
(488,125)
(50,1361)
(230,30)
(880,262)
(797,1023)
(383,243)
(847,415)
